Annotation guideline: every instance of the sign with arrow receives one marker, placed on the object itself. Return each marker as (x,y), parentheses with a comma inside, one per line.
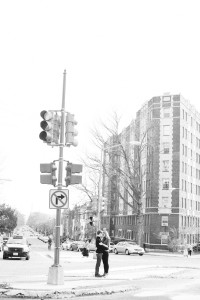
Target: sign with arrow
(59,199)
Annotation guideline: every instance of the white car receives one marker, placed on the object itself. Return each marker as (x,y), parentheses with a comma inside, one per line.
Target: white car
(66,245)
(128,248)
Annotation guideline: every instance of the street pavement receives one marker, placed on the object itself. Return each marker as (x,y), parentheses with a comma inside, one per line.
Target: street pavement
(139,280)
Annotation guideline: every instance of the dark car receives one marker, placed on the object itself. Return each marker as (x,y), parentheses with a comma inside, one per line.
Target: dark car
(16,248)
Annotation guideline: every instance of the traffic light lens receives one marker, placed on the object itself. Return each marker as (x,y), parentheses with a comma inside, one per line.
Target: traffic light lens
(43,136)
(45,125)
(46,115)
(42,114)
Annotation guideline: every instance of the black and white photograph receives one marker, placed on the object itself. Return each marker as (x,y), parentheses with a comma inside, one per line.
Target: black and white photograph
(100,149)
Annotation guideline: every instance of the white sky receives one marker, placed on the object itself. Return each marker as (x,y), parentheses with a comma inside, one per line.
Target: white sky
(117,55)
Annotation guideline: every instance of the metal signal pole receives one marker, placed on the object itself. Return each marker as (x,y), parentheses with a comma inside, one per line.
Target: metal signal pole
(56,274)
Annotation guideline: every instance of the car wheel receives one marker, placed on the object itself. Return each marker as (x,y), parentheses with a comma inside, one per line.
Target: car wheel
(115,251)
(28,257)
(4,256)
(140,254)
(127,252)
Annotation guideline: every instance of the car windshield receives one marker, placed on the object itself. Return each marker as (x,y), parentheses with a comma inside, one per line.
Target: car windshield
(17,237)
(17,241)
(131,243)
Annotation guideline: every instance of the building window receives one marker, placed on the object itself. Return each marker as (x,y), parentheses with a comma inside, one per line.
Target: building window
(119,232)
(165,165)
(166,113)
(166,100)
(164,238)
(183,167)
(166,148)
(165,202)
(166,130)
(165,184)
(185,150)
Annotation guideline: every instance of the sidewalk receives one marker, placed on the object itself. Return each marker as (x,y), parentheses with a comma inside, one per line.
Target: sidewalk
(82,282)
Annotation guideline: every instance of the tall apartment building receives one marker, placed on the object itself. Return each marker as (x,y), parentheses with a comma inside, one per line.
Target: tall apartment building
(168,127)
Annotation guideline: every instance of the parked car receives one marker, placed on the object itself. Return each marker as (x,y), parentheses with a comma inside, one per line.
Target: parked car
(18,236)
(17,248)
(66,245)
(128,248)
(77,246)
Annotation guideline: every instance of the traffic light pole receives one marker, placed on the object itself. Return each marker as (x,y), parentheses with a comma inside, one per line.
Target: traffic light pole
(56,274)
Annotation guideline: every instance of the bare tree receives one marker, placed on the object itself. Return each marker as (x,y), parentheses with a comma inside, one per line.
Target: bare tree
(121,168)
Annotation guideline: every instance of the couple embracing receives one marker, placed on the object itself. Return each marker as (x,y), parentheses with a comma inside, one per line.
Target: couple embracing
(102,251)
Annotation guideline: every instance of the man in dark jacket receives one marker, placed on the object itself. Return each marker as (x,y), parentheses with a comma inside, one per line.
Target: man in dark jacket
(99,251)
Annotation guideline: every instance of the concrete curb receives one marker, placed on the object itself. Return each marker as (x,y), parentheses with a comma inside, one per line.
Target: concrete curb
(119,285)
(72,293)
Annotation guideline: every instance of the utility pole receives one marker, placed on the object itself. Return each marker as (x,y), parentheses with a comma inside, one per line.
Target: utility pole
(56,274)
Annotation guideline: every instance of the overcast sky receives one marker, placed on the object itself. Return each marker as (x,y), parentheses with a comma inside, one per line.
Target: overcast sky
(117,54)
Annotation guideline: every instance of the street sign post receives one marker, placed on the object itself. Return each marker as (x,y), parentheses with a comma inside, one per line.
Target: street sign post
(59,199)
(56,272)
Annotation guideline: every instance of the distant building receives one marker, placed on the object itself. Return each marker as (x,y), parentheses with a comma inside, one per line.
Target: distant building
(75,222)
(168,127)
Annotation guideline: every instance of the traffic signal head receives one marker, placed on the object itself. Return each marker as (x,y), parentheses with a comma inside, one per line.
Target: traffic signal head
(50,126)
(53,174)
(91,221)
(70,170)
(50,176)
(70,131)
(103,204)
(68,174)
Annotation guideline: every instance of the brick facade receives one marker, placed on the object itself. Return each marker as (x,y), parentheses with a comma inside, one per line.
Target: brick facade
(172,176)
